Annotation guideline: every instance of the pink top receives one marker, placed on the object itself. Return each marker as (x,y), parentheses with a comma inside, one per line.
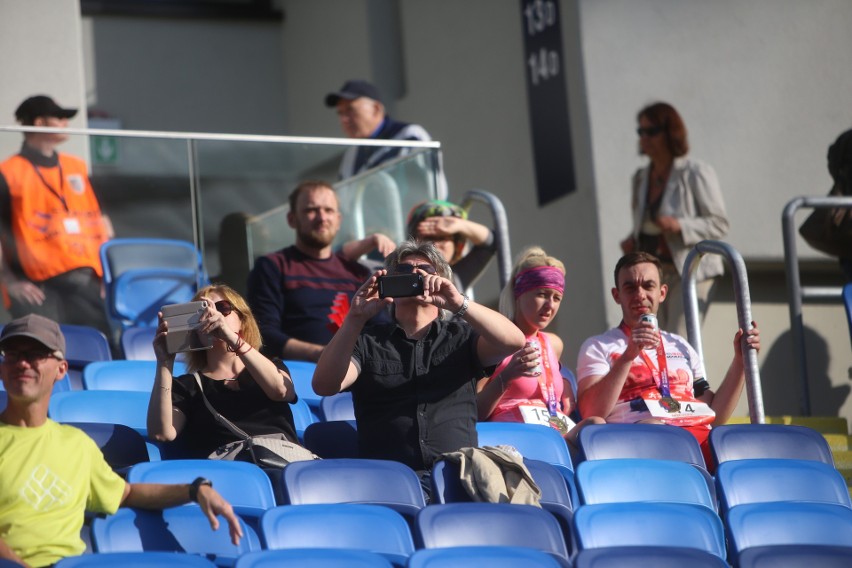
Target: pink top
(523,388)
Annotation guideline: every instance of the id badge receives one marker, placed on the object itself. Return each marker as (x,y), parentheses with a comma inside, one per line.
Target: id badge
(533,414)
(72,225)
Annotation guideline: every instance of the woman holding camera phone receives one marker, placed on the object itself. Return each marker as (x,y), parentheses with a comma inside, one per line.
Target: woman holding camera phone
(240,383)
(528,386)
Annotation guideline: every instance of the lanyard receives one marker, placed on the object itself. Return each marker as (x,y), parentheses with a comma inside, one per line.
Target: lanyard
(545,380)
(59,194)
(660,373)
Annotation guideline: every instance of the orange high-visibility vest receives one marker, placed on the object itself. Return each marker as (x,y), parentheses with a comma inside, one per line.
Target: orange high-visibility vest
(56,220)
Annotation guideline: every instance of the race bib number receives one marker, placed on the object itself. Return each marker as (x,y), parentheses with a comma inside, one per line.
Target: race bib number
(532,414)
(687,409)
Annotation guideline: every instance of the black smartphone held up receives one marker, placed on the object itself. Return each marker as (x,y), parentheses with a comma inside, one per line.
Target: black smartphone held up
(183,319)
(400,285)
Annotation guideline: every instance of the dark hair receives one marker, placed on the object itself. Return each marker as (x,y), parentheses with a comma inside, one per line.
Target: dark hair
(634,258)
(306,185)
(665,115)
(840,162)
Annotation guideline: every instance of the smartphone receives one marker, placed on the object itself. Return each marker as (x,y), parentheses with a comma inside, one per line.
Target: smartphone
(183,320)
(400,285)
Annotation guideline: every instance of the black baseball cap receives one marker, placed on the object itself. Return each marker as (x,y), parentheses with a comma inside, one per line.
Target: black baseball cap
(351,90)
(41,105)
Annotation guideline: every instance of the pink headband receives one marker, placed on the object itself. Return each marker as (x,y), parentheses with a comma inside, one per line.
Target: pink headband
(539,277)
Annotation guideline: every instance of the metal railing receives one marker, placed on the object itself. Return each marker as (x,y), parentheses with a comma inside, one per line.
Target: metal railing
(742,299)
(797,293)
(500,226)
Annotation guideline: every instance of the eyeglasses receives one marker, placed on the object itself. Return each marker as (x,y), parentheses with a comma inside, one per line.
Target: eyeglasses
(649,131)
(406,268)
(225,307)
(31,356)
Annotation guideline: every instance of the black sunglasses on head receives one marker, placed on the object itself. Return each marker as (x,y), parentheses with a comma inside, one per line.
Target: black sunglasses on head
(649,131)
(225,307)
(407,268)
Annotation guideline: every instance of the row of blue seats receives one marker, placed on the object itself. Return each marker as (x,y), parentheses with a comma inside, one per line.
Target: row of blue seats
(773,556)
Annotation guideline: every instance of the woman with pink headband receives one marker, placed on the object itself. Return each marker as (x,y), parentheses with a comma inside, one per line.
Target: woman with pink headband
(528,386)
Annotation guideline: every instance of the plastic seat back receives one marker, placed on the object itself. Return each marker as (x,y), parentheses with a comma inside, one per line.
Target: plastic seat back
(636,480)
(489,524)
(121,255)
(847,303)
(795,556)
(112,407)
(649,524)
(135,560)
(753,441)
(137,295)
(653,441)
(302,417)
(767,480)
(337,407)
(312,558)
(302,373)
(533,441)
(656,556)
(787,522)
(178,529)
(475,556)
(378,482)
(137,343)
(124,375)
(121,445)
(335,439)
(242,484)
(350,525)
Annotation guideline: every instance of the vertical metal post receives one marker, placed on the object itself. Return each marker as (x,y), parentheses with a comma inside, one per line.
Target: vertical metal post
(195,205)
(794,300)
(742,297)
(501,229)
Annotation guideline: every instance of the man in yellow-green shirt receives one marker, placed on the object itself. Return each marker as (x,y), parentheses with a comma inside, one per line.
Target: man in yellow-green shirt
(50,474)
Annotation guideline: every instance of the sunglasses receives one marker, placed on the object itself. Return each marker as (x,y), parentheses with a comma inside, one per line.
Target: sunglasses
(31,357)
(406,268)
(225,307)
(649,131)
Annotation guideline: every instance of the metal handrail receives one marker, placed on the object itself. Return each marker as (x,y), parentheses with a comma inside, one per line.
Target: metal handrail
(501,229)
(796,293)
(742,297)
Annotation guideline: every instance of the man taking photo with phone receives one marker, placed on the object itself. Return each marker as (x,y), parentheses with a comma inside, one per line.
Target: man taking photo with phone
(413,380)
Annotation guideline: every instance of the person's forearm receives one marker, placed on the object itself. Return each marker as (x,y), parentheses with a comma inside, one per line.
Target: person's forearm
(353,250)
(160,410)
(724,401)
(489,395)
(156,495)
(334,362)
(274,384)
(298,350)
(501,335)
(600,398)
(475,232)
(8,554)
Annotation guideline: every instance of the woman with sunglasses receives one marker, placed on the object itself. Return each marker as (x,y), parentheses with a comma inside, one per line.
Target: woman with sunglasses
(676,204)
(240,383)
(528,385)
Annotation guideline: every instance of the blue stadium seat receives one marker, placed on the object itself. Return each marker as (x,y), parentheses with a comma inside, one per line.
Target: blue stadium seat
(334,439)
(489,524)
(134,560)
(178,529)
(302,416)
(787,523)
(482,556)
(847,303)
(124,375)
(766,480)
(245,485)
(796,556)
(111,407)
(121,445)
(656,556)
(350,525)
(137,343)
(312,558)
(337,407)
(3,397)
(752,441)
(654,441)
(533,441)
(302,373)
(83,345)
(635,479)
(649,524)
(377,482)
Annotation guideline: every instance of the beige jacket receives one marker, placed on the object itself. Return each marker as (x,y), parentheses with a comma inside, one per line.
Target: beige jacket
(496,474)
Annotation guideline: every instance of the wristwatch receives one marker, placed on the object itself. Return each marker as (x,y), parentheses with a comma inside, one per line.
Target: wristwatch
(196,485)
(465,305)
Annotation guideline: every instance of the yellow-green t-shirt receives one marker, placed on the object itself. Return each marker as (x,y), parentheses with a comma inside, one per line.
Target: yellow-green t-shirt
(49,477)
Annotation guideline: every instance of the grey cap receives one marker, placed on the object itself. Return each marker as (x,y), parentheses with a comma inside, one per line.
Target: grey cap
(42,329)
